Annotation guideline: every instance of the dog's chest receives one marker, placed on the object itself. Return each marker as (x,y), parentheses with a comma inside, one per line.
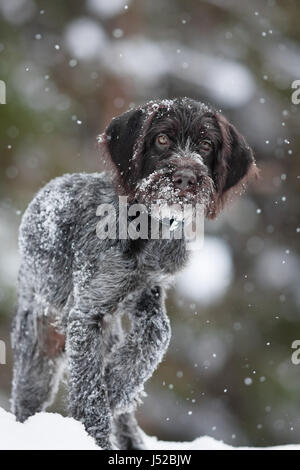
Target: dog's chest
(122,275)
(159,260)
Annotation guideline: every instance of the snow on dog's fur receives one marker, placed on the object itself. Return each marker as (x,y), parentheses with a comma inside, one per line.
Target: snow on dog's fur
(74,287)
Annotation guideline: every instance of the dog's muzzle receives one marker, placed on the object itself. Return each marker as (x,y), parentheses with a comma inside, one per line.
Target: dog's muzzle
(184,179)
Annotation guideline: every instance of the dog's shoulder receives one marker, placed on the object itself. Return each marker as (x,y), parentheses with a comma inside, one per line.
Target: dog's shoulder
(78,188)
(62,195)
(62,205)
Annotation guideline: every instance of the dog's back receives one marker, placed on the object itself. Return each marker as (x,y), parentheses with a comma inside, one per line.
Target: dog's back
(54,220)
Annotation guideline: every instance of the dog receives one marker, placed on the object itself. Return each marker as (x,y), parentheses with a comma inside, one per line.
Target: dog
(74,288)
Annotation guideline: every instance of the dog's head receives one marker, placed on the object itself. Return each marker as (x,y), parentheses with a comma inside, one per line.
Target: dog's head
(178,151)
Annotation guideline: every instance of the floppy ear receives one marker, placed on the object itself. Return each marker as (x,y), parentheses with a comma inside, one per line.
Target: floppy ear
(235,163)
(121,136)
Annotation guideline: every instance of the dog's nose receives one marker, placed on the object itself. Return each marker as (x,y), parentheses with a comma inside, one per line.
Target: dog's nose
(184,179)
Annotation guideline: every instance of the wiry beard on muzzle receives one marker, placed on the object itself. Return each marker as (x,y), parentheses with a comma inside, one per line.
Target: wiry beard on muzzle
(158,188)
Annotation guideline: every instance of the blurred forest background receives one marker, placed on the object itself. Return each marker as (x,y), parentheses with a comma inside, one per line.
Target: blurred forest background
(69,67)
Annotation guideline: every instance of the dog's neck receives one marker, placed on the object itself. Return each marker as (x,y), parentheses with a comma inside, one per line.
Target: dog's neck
(166,254)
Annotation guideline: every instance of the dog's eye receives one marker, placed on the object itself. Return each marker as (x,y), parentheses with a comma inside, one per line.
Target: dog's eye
(162,140)
(206,145)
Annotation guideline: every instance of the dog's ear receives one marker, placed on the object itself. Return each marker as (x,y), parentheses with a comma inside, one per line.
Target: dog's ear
(235,163)
(121,136)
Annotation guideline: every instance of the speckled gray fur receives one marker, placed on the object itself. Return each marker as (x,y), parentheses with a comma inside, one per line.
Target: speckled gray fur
(74,288)
(84,285)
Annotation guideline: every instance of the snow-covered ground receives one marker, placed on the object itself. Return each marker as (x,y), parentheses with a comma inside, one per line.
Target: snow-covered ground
(52,431)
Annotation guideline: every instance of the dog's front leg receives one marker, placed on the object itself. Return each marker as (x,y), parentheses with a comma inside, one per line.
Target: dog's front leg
(135,360)
(87,389)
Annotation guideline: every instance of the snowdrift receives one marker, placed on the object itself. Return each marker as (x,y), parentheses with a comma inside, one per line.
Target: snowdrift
(51,431)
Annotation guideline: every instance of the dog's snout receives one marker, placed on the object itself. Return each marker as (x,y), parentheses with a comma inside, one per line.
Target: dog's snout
(184,179)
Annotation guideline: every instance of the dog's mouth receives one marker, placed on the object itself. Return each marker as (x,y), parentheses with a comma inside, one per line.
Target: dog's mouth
(160,188)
